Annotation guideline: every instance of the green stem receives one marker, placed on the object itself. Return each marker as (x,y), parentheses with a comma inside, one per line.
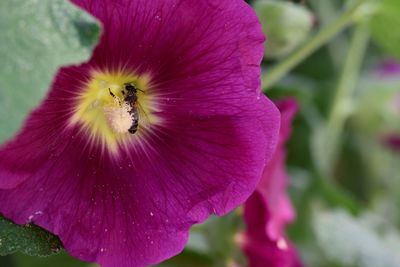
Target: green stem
(341,106)
(349,77)
(278,72)
(338,46)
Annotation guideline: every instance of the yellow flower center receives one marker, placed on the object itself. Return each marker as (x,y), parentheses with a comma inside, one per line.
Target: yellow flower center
(115,108)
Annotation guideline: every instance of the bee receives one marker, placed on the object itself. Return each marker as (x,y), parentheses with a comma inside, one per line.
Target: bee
(131,100)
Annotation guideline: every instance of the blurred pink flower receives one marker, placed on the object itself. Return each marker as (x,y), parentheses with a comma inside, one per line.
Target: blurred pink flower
(392,141)
(269,209)
(388,68)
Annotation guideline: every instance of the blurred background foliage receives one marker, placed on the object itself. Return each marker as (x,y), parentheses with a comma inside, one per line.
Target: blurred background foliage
(345,179)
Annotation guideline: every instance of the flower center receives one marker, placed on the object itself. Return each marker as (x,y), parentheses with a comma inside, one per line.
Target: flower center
(115,108)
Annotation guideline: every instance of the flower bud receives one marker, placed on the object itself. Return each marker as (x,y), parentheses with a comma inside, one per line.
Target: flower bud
(285,24)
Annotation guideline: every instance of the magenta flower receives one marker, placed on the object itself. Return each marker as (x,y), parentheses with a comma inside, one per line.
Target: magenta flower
(163,126)
(269,209)
(389,68)
(392,141)
(261,250)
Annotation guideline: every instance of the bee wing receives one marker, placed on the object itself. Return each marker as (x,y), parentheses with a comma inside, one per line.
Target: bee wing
(142,110)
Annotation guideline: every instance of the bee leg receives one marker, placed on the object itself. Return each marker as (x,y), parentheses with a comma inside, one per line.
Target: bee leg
(111,93)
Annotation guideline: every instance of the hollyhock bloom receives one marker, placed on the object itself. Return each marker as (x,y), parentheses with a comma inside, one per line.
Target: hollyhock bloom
(392,141)
(389,68)
(163,126)
(269,209)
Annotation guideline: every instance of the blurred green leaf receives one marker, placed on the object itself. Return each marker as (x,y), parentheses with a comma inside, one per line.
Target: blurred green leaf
(376,109)
(197,242)
(365,241)
(381,167)
(285,24)
(385,26)
(28,239)
(212,243)
(37,37)
(59,260)
(220,233)
(188,259)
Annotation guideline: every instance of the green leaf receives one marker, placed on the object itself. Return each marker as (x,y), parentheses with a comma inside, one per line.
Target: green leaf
(28,239)
(285,24)
(37,37)
(385,27)
(61,259)
(375,110)
(220,235)
(367,241)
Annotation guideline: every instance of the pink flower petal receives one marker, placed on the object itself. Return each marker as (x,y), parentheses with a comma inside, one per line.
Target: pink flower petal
(135,209)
